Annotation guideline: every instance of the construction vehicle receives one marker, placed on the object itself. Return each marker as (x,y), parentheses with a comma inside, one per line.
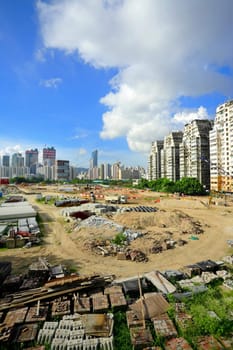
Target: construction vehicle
(116,199)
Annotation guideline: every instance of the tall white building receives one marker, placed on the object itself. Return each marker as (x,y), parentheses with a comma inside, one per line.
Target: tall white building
(194,151)
(221,149)
(116,171)
(170,156)
(154,161)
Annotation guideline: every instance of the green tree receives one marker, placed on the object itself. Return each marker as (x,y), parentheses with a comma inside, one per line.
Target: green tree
(190,186)
(143,183)
(164,185)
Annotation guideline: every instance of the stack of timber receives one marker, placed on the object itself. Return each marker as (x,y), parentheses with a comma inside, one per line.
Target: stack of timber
(56,289)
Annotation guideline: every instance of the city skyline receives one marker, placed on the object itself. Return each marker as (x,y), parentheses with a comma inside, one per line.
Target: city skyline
(81,76)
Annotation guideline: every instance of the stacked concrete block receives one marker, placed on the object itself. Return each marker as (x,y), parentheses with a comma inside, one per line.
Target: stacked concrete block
(46,334)
(106,343)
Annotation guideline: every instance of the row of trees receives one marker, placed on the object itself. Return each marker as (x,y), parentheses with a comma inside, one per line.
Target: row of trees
(187,185)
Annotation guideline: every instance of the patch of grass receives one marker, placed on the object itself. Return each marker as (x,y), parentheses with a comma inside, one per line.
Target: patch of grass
(212,300)
(121,332)
(119,239)
(2,249)
(72,269)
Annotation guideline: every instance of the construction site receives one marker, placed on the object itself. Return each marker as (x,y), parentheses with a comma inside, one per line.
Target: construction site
(109,250)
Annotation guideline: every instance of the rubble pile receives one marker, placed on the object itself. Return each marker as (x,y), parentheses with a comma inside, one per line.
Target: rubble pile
(98,221)
(136,255)
(107,248)
(101,247)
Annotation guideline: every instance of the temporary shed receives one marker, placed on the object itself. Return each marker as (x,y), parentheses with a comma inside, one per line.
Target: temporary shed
(15,204)
(24,211)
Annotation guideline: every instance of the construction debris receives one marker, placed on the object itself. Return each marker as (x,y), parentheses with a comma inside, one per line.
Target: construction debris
(160,282)
(152,304)
(177,344)
(26,333)
(141,338)
(98,221)
(164,326)
(82,305)
(208,343)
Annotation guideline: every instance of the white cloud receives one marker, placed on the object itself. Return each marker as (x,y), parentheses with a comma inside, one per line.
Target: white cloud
(187,116)
(51,83)
(80,134)
(163,50)
(82,151)
(9,150)
(40,55)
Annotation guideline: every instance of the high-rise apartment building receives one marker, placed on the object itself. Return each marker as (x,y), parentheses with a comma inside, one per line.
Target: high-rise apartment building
(94,159)
(17,160)
(62,170)
(31,160)
(49,156)
(194,151)
(221,149)
(6,160)
(107,171)
(93,172)
(116,171)
(154,161)
(170,156)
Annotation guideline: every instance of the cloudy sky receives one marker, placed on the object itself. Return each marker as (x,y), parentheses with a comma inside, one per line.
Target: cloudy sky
(112,75)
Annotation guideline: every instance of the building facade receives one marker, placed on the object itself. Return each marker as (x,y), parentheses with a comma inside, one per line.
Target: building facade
(221,149)
(154,161)
(49,156)
(17,160)
(6,160)
(94,159)
(170,156)
(62,170)
(195,151)
(31,160)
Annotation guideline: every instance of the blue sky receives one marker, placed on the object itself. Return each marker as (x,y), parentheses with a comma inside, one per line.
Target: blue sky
(112,75)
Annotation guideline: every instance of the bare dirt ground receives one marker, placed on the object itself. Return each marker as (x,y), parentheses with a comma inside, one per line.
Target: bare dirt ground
(175,218)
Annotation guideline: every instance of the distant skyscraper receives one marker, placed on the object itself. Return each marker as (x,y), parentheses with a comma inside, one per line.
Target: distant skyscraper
(49,156)
(31,160)
(6,160)
(94,159)
(17,160)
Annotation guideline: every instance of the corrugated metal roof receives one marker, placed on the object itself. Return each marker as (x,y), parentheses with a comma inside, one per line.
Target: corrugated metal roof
(16,212)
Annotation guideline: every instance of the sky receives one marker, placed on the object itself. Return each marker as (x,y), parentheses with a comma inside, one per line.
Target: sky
(112,75)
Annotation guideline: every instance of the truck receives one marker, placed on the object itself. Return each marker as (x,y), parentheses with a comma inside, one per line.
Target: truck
(116,199)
